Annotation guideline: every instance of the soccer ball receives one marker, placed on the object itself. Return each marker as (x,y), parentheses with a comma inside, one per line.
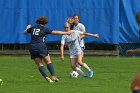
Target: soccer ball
(74,74)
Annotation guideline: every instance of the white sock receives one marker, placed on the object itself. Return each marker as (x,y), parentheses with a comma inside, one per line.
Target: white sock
(78,65)
(86,67)
(79,71)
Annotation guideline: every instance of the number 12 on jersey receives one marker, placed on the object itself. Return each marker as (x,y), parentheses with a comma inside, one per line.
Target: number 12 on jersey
(36,31)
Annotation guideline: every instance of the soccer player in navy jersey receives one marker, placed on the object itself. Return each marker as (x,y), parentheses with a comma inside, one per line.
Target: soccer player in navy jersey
(135,85)
(38,49)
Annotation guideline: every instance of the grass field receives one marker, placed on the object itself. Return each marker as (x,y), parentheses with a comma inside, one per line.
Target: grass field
(112,75)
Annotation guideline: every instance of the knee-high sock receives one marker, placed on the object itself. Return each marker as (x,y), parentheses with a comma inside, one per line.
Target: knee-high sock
(78,65)
(51,69)
(136,91)
(86,67)
(42,71)
(79,71)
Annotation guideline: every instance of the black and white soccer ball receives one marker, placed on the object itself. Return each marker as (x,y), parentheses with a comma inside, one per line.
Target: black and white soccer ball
(74,74)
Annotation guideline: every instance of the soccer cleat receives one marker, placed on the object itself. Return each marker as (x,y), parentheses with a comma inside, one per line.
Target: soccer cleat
(55,79)
(90,73)
(49,80)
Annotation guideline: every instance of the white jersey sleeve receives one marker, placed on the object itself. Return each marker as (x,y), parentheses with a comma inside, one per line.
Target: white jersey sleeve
(83,28)
(63,39)
(79,32)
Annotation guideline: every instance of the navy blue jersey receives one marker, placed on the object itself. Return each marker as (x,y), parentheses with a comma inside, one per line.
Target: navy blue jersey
(38,32)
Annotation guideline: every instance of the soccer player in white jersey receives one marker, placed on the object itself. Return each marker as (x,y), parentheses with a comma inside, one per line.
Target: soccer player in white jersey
(80,27)
(75,51)
(75,25)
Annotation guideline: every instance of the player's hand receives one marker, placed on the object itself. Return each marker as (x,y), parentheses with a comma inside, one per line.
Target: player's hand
(68,33)
(96,35)
(62,58)
(130,52)
(29,26)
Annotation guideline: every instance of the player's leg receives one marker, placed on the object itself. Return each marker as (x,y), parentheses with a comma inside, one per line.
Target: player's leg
(42,70)
(73,63)
(50,67)
(74,66)
(83,48)
(135,86)
(37,58)
(43,52)
(77,65)
(80,62)
(136,91)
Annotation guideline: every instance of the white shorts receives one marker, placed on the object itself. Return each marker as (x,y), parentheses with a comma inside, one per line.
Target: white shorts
(75,56)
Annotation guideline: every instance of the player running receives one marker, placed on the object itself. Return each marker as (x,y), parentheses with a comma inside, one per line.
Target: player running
(77,26)
(75,50)
(37,48)
(135,85)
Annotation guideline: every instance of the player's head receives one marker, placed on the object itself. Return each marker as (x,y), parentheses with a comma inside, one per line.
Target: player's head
(71,22)
(42,20)
(138,18)
(67,26)
(76,19)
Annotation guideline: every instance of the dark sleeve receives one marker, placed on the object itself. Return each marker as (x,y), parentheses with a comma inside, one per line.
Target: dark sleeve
(48,31)
(29,30)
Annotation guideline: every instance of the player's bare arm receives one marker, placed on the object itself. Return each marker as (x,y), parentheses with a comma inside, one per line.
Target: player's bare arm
(89,34)
(62,52)
(83,36)
(60,33)
(134,51)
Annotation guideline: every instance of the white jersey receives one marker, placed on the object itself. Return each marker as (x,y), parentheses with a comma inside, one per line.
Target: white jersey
(73,42)
(80,27)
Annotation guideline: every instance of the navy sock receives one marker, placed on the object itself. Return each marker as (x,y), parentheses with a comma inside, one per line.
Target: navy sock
(42,71)
(51,69)
(136,91)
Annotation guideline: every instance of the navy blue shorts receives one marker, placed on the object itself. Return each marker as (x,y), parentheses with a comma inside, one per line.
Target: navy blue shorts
(38,50)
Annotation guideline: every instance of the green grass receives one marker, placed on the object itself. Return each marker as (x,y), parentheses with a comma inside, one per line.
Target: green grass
(112,75)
